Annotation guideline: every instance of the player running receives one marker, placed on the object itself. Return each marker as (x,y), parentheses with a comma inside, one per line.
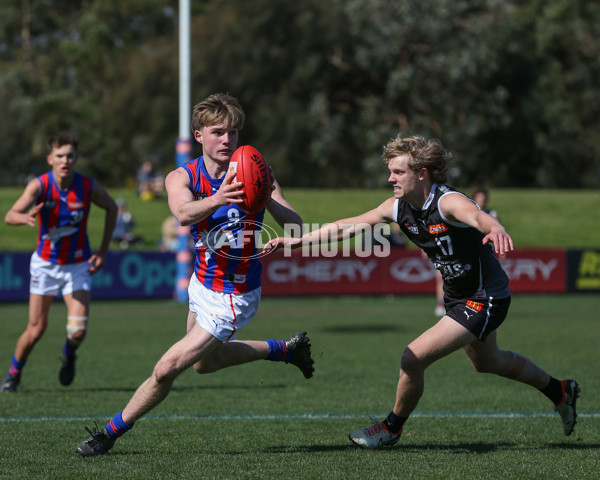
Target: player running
(63,260)
(462,241)
(224,291)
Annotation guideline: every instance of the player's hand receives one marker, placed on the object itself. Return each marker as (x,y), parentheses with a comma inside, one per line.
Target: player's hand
(229,192)
(501,240)
(273,187)
(96,263)
(281,242)
(30,218)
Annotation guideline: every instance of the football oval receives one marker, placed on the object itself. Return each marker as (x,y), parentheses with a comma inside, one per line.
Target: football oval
(252,170)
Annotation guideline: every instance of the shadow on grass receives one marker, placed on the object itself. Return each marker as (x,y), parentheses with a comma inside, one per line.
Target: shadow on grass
(481,447)
(367,328)
(311,449)
(186,388)
(458,448)
(118,453)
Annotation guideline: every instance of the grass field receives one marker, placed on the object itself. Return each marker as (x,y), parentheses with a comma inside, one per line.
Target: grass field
(534,218)
(264,420)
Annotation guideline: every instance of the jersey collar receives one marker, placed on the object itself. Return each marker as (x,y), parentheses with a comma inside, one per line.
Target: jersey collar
(429,198)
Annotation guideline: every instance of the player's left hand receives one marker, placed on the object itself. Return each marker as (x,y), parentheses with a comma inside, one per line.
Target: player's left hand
(96,263)
(281,242)
(501,240)
(273,187)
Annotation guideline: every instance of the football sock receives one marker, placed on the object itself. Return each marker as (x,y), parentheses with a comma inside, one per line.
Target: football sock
(117,427)
(16,367)
(278,352)
(68,349)
(554,391)
(394,423)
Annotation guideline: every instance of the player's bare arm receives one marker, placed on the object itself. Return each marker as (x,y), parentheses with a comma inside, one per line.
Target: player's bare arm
(339,229)
(184,206)
(458,207)
(102,199)
(20,213)
(283,212)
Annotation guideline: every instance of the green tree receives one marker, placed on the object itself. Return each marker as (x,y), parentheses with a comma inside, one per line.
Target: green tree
(507,85)
(510,87)
(92,67)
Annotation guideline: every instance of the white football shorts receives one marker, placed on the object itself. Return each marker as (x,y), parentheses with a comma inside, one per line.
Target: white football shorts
(222,314)
(48,278)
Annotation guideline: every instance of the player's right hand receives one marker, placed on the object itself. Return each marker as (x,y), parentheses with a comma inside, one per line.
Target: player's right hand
(230,191)
(30,218)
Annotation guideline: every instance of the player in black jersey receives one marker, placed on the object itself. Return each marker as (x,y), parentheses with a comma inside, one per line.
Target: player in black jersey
(463,242)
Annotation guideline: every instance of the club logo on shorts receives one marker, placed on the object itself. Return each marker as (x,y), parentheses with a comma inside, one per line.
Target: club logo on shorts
(474,305)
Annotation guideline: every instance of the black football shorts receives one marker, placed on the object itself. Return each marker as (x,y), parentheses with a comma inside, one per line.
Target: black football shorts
(480,316)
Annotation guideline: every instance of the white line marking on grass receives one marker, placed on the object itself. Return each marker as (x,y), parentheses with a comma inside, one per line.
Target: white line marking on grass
(284,416)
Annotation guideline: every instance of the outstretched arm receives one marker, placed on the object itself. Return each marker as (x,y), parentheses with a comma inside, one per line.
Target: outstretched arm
(283,213)
(338,230)
(458,207)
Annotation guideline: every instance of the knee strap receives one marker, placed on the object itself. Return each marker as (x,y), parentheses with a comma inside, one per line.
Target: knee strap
(74,325)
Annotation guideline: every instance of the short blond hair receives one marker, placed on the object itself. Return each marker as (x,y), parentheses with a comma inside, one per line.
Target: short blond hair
(424,153)
(218,109)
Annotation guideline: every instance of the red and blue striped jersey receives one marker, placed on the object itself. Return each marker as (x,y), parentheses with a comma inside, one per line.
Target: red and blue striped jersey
(225,242)
(62,236)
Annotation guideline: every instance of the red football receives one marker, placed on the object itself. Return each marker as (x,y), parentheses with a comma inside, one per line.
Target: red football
(252,170)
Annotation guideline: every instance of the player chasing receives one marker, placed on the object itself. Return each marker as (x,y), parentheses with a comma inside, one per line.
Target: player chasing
(463,242)
(224,291)
(61,200)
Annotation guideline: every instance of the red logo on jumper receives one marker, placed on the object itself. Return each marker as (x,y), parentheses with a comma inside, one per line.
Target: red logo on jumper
(439,228)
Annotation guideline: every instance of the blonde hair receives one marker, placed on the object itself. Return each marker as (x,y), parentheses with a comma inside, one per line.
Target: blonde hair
(218,109)
(429,154)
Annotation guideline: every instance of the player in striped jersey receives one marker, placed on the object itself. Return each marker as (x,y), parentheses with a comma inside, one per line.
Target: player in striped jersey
(224,291)
(463,242)
(59,202)
(225,260)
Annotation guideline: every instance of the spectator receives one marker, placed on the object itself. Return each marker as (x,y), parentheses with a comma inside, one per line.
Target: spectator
(169,241)
(122,233)
(480,197)
(150,183)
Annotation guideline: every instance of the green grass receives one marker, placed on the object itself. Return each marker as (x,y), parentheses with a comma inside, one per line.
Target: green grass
(534,218)
(264,420)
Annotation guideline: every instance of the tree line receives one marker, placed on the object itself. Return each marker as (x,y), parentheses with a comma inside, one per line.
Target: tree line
(510,87)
